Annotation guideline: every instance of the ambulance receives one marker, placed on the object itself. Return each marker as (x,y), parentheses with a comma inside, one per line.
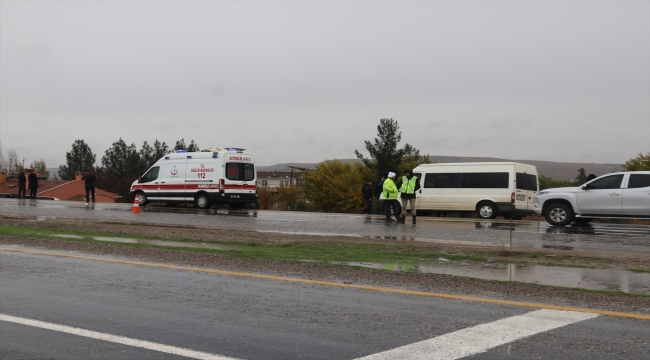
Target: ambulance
(207,177)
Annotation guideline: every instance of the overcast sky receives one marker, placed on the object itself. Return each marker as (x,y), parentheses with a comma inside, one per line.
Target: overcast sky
(306,81)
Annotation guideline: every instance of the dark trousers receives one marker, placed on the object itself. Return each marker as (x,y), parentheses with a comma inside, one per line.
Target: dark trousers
(32,193)
(368,209)
(90,189)
(388,205)
(22,191)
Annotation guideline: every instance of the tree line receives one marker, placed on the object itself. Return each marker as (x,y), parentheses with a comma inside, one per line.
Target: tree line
(120,164)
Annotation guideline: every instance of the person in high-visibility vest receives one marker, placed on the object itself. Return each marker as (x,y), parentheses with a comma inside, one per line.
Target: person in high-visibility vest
(409,185)
(390,196)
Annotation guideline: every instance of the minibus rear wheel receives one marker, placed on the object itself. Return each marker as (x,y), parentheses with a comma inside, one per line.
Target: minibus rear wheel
(486,210)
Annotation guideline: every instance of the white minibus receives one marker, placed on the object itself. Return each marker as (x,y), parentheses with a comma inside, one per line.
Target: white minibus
(489,188)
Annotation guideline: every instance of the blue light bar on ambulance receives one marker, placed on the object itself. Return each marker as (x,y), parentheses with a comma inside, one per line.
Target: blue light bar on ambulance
(166,157)
(181,151)
(215,154)
(235,149)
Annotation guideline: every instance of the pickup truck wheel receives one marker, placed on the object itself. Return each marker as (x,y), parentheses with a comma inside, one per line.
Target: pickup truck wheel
(559,214)
(202,201)
(486,210)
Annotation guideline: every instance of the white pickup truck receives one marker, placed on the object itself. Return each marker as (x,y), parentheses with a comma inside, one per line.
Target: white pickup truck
(616,195)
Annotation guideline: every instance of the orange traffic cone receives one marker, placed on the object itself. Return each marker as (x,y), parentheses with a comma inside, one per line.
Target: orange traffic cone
(136,205)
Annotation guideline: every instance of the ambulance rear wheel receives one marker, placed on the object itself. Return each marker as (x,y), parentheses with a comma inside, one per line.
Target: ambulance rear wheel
(202,201)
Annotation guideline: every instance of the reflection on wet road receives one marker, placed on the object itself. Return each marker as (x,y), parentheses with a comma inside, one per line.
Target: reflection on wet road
(593,279)
(526,234)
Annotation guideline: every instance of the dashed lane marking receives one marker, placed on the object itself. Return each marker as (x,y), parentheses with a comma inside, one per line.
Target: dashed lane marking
(115,339)
(348,286)
(481,338)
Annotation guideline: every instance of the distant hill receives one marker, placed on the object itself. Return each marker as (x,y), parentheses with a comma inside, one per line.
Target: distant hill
(557,170)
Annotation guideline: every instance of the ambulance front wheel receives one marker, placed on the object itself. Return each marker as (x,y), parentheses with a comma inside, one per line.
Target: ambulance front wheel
(202,201)
(142,198)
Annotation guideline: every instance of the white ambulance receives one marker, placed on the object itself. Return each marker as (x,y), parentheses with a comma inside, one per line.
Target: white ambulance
(211,176)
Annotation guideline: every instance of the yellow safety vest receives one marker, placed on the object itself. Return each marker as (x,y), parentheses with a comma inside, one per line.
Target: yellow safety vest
(408,185)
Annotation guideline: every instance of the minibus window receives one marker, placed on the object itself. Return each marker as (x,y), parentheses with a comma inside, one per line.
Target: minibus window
(526,182)
(495,180)
(522,181)
(249,172)
(232,171)
(442,181)
(531,182)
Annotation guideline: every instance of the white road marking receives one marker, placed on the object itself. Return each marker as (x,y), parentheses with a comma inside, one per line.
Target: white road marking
(481,338)
(116,339)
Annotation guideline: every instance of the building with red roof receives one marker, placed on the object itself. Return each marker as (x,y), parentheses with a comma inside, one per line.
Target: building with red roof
(74,190)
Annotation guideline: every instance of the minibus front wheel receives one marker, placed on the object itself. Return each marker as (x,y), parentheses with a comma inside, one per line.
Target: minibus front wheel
(486,210)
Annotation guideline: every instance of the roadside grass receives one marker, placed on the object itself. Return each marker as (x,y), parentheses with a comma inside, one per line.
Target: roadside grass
(331,251)
(635,270)
(324,252)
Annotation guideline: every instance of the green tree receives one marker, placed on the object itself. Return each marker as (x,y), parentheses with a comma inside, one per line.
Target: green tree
(335,186)
(80,158)
(121,165)
(288,196)
(639,163)
(384,154)
(582,176)
(40,167)
(192,147)
(265,198)
(546,182)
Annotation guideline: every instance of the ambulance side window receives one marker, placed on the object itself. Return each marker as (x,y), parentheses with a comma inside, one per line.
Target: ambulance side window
(151,175)
(249,172)
(232,171)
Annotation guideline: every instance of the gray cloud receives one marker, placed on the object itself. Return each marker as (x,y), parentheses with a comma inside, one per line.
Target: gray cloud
(564,81)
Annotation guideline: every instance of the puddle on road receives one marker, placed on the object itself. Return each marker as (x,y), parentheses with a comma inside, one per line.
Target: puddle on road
(151,242)
(593,279)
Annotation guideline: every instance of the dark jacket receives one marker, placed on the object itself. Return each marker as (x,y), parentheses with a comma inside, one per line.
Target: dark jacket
(379,188)
(22,179)
(89,179)
(33,181)
(366,190)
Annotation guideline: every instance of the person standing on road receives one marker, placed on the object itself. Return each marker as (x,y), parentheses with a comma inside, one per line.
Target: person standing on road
(22,184)
(89,179)
(390,197)
(366,190)
(33,184)
(408,187)
(378,190)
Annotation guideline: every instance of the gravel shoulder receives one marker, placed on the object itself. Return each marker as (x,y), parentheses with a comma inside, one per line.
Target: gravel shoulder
(412,281)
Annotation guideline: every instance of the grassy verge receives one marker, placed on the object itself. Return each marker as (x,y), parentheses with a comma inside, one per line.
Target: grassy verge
(331,251)
(634,270)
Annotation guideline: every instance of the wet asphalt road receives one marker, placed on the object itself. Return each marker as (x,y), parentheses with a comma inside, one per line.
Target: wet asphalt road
(531,234)
(256,319)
